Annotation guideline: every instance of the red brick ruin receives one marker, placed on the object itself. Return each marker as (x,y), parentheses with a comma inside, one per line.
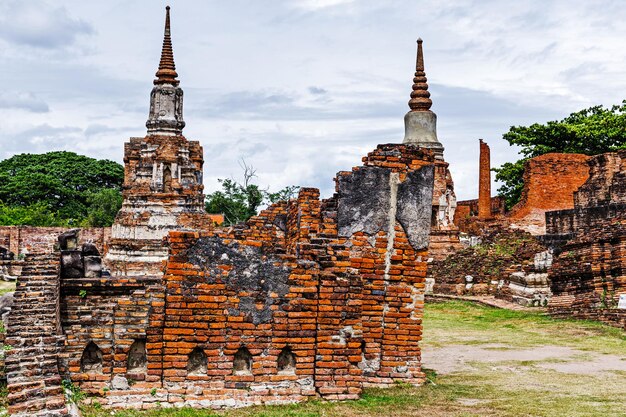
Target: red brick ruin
(312,297)
(589,276)
(469,212)
(484,182)
(575,207)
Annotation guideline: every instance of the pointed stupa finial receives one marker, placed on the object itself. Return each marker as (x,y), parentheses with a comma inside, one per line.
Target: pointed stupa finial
(167,69)
(420,97)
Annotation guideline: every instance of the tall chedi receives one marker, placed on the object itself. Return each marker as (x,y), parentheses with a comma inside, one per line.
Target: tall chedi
(420,128)
(162,188)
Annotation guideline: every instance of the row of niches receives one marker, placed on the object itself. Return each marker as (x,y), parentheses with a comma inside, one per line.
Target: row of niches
(197,361)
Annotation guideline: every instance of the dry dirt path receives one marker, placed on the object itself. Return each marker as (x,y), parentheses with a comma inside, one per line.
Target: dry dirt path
(461,358)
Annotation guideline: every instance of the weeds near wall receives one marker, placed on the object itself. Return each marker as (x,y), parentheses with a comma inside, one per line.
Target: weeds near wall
(73,393)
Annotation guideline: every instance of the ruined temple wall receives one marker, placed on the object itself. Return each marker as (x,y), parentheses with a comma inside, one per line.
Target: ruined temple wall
(601,197)
(390,253)
(251,296)
(444,237)
(333,287)
(569,222)
(339,329)
(606,183)
(43,239)
(466,213)
(113,313)
(550,181)
(590,274)
(222,291)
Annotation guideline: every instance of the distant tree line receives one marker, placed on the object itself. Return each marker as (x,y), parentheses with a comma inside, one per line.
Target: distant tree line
(59,189)
(590,131)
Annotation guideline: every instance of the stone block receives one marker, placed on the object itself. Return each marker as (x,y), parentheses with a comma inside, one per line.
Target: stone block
(72,264)
(92,266)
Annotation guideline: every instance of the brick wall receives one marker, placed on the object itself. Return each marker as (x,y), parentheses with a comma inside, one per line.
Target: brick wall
(33,376)
(43,239)
(467,213)
(484,181)
(550,181)
(607,181)
(568,222)
(590,274)
(601,197)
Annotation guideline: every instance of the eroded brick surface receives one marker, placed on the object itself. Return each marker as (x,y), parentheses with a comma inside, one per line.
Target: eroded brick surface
(35,338)
(444,235)
(30,239)
(550,181)
(162,191)
(589,275)
(484,182)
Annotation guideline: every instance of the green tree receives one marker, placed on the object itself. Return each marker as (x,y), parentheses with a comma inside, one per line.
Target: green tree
(37,214)
(285,194)
(237,202)
(590,131)
(240,201)
(58,182)
(103,207)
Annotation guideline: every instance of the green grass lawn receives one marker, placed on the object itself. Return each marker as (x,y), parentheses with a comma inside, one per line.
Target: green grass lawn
(482,386)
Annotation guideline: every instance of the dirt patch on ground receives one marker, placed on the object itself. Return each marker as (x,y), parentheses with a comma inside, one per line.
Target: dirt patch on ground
(600,364)
(459,358)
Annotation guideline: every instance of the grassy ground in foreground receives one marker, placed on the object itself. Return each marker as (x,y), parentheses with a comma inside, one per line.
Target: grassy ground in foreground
(6,286)
(480,387)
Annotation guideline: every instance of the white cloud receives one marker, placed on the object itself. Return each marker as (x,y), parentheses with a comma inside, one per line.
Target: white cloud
(22,100)
(320,4)
(39,24)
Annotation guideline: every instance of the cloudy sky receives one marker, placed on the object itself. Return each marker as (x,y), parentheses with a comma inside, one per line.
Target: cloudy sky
(303,88)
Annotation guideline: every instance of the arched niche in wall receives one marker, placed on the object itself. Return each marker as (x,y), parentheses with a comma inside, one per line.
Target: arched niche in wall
(137,357)
(197,362)
(242,363)
(91,361)
(167,179)
(286,362)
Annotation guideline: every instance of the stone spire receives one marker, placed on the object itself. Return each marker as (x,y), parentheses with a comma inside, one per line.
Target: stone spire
(167,69)
(420,123)
(420,97)
(166,99)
